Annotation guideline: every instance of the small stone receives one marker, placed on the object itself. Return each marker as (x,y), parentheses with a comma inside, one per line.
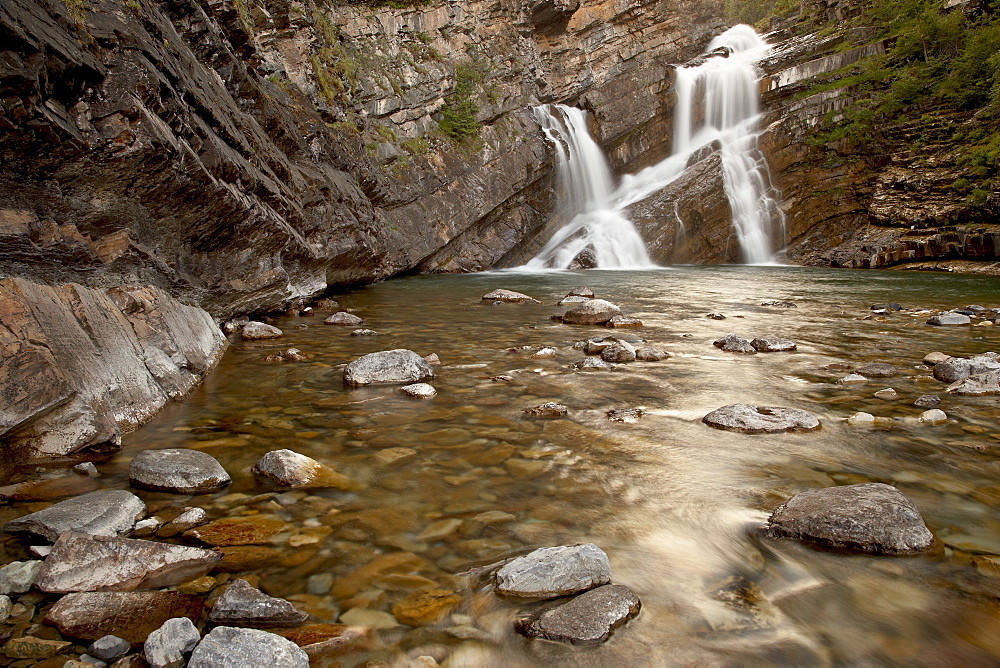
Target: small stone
(18,576)
(852,379)
(290,469)
(131,615)
(949,319)
(439,530)
(619,351)
(228,647)
(546,353)
(343,319)
(777,303)
(772,344)
(393,456)
(566,301)
(549,409)
(190,518)
(510,297)
(930,359)
(735,344)
(651,354)
(886,393)
(426,607)
(502,379)
(109,648)
(387,367)
(877,370)
(750,419)
(888,306)
(40,551)
(110,512)
(861,419)
(588,619)
(927,401)
(201,585)
(934,416)
(591,364)
(550,572)
(254,330)
(364,332)
(593,312)
(6,607)
(87,469)
(626,415)
(166,646)
(147,527)
(243,605)
(581,291)
(177,470)
(296,355)
(622,321)
(418,390)
(29,647)
(715,316)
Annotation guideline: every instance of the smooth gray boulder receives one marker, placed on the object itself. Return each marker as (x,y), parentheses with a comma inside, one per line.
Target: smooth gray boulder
(735,344)
(166,646)
(509,296)
(81,562)
(867,517)
(17,576)
(419,390)
(387,367)
(619,351)
(344,319)
(772,344)
(109,648)
(291,469)
(549,572)
(110,512)
(588,619)
(228,647)
(593,312)
(254,330)
(978,385)
(949,319)
(177,470)
(954,369)
(750,419)
(243,605)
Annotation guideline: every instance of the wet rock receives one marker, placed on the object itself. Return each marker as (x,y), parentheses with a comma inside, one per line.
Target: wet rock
(650,354)
(750,419)
(626,415)
(17,576)
(243,605)
(110,512)
(887,306)
(167,646)
(80,562)
(886,393)
(296,355)
(392,456)
(772,344)
(623,321)
(290,469)
(545,353)
(364,332)
(591,364)
(229,647)
(177,470)
(588,619)
(596,345)
(949,319)
(388,367)
(852,379)
(619,351)
(87,469)
(6,607)
(510,297)
(327,640)
(240,558)
(861,419)
(931,359)
(109,648)
(959,368)
(582,291)
(131,615)
(777,303)
(549,409)
(526,468)
(439,530)
(237,530)
(46,490)
(374,619)
(715,316)
(549,572)
(426,607)
(566,301)
(29,647)
(343,319)
(735,344)
(877,370)
(190,518)
(254,331)
(978,385)
(867,517)
(934,416)
(147,527)
(593,312)
(927,401)
(419,390)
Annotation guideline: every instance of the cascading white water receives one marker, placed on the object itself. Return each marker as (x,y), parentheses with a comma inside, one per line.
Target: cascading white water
(717,100)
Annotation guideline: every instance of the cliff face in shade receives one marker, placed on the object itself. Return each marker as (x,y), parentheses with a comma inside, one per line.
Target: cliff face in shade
(235,157)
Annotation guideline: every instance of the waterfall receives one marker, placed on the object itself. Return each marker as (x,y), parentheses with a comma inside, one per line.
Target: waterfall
(717,101)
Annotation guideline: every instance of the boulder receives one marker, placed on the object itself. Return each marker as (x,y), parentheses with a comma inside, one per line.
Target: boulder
(130,615)
(593,312)
(419,390)
(110,648)
(166,646)
(867,517)
(81,562)
(588,619)
(591,364)
(228,647)
(388,367)
(177,470)
(582,291)
(290,469)
(254,331)
(927,401)
(959,368)
(619,351)
(931,359)
(509,296)
(934,416)
(549,572)
(243,605)
(735,344)
(111,512)
(750,419)
(978,385)
(650,354)
(18,576)
(877,370)
(343,319)
(949,319)
(549,409)
(772,344)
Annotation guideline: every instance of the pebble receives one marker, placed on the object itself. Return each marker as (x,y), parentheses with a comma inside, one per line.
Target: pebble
(934,416)
(392,456)
(852,379)
(715,316)
(296,355)
(375,619)
(927,401)
(864,419)
(365,332)
(109,648)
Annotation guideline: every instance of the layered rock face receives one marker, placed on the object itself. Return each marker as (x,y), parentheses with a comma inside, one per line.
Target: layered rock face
(222,158)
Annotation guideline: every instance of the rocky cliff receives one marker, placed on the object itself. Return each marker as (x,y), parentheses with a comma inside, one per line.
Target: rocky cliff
(193,160)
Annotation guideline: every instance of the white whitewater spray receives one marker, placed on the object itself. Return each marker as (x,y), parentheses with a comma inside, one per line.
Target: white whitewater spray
(717,100)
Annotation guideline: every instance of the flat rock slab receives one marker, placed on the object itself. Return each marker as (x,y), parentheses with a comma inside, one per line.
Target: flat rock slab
(867,517)
(750,419)
(509,296)
(254,330)
(588,619)
(735,344)
(772,344)
(877,370)
(344,319)
(81,562)
(111,512)
(130,615)
(549,572)
(949,319)
(387,367)
(177,470)
(228,647)
(237,530)
(291,469)
(978,385)
(593,312)
(243,605)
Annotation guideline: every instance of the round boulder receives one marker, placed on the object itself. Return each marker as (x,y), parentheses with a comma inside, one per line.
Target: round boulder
(344,319)
(650,354)
(750,419)
(387,367)
(594,312)
(177,470)
(867,517)
(735,344)
(254,330)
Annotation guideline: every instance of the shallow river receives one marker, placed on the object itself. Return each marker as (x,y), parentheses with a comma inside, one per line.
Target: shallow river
(678,506)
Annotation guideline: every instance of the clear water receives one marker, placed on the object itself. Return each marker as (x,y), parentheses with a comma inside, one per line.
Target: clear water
(678,506)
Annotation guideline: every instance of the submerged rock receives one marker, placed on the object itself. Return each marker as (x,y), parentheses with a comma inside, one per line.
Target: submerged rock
(772,344)
(588,619)
(130,615)
(949,319)
(229,647)
(593,312)
(886,393)
(254,330)
(510,297)
(777,303)
(867,517)
(364,332)
(344,319)
(626,415)
(425,607)
(167,646)
(549,572)
(591,364)
(877,370)
(887,306)
(388,367)
(750,419)
(237,530)
(927,401)
(243,605)
(549,409)
(177,470)
(978,385)
(735,344)
(111,512)
(290,469)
